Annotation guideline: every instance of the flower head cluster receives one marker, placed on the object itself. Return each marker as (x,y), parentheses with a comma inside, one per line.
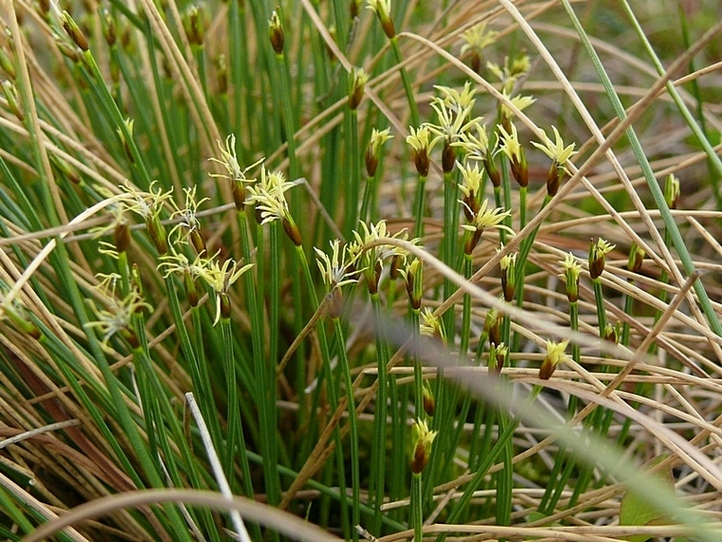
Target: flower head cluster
(188,226)
(275,33)
(507,264)
(357,84)
(511,147)
(597,257)
(475,147)
(371,258)
(671,190)
(229,161)
(453,112)
(559,155)
(510,72)
(431,325)
(421,440)
(337,270)
(470,187)
(413,274)
(497,357)
(421,142)
(373,151)
(636,258)
(510,105)
(269,196)
(382,9)
(216,275)
(481,220)
(148,205)
(571,269)
(554,356)
(476,39)
(117,317)
(234,172)
(479,149)
(492,326)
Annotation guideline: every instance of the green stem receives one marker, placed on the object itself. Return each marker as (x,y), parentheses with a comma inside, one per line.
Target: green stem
(265,368)
(451,228)
(369,197)
(352,178)
(378,451)
(353,430)
(413,108)
(330,389)
(522,207)
(599,301)
(417,507)
(419,202)
(505,436)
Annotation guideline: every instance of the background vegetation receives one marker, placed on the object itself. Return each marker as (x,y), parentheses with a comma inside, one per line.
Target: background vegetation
(443,270)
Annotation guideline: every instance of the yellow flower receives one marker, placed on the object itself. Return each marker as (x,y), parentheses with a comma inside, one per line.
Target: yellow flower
(229,161)
(597,257)
(430,325)
(492,218)
(382,8)
(476,146)
(421,440)
(519,102)
(570,275)
(453,111)
(477,38)
(556,151)
(554,356)
(269,197)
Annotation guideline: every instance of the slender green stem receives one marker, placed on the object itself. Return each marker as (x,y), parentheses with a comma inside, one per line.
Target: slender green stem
(506,193)
(265,368)
(330,389)
(417,506)
(200,376)
(353,430)
(378,452)
(556,485)
(419,203)
(524,251)
(522,207)
(451,228)
(505,477)
(419,411)
(288,119)
(368,199)
(488,460)
(413,108)
(353,177)
(117,117)
(599,302)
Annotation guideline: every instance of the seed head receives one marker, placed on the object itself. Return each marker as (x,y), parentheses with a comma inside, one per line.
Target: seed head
(597,257)
(421,440)
(373,151)
(571,270)
(276,34)
(382,8)
(554,356)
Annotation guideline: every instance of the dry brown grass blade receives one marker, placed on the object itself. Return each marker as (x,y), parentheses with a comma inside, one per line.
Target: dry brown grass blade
(286,524)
